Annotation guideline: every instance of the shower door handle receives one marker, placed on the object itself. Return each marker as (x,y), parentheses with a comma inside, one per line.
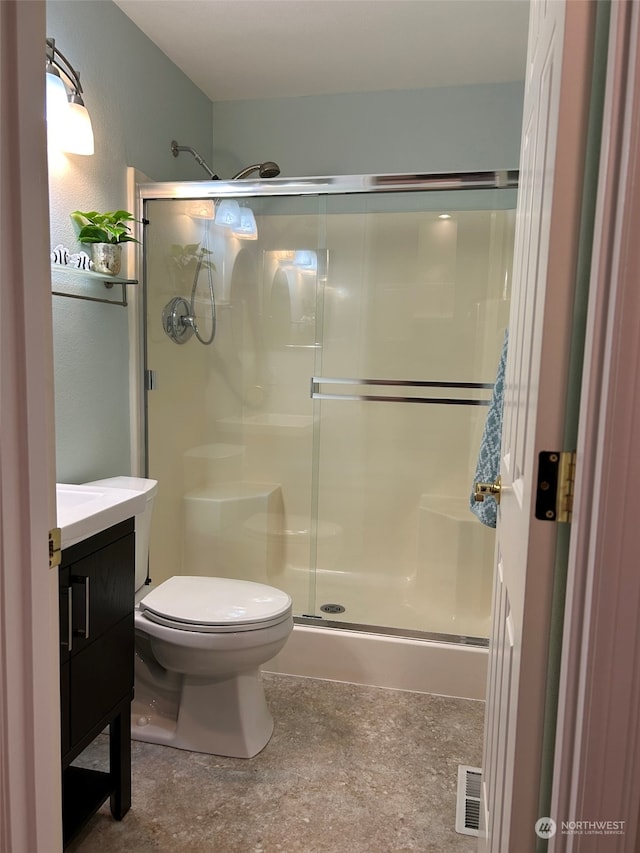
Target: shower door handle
(318,394)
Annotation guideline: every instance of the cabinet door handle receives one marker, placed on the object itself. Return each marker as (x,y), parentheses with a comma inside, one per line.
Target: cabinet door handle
(84,580)
(69,641)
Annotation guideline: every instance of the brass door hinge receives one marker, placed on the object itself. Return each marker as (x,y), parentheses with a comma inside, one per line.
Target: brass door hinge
(556,479)
(55,549)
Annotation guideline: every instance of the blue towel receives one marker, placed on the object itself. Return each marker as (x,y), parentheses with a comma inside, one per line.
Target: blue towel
(488,466)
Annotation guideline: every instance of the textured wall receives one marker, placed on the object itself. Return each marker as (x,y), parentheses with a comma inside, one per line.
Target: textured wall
(423,130)
(139,101)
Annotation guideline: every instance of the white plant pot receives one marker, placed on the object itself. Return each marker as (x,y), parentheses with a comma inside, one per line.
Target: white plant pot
(106,257)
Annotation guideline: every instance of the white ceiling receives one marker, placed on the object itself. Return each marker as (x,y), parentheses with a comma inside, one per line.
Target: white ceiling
(239,49)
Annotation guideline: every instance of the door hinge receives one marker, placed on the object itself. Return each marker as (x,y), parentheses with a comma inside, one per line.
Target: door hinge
(554,490)
(55,547)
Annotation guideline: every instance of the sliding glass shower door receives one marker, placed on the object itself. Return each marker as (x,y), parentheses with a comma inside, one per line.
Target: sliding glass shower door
(324,440)
(414,311)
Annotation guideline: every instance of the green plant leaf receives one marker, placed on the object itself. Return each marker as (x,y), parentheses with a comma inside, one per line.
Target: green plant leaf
(120,215)
(93,234)
(106,227)
(89,215)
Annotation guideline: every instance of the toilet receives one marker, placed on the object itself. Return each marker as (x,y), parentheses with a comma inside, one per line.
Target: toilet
(200,643)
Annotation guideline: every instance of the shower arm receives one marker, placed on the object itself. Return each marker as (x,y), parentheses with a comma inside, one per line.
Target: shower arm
(268,169)
(176,149)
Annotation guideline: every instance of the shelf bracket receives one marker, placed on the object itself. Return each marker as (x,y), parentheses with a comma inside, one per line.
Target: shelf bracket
(91,275)
(123,302)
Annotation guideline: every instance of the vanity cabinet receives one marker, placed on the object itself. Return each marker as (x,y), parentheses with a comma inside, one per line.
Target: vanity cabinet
(97,579)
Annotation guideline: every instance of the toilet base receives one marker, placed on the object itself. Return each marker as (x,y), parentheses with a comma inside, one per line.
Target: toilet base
(226,717)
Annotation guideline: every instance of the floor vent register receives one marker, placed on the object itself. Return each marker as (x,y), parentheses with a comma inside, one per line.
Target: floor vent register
(468,805)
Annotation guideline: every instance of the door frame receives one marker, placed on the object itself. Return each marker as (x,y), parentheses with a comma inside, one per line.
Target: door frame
(596,769)
(611,399)
(30,775)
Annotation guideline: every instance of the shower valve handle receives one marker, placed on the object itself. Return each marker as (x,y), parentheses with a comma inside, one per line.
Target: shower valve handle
(177,320)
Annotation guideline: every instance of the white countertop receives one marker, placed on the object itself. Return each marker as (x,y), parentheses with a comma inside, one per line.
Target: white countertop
(86,510)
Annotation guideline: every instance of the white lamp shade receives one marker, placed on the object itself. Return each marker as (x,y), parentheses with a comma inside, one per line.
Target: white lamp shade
(200,209)
(228,214)
(56,98)
(247,228)
(57,108)
(78,133)
(306,259)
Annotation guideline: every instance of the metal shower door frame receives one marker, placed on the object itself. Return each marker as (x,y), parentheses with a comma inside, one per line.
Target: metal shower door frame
(506,179)
(330,185)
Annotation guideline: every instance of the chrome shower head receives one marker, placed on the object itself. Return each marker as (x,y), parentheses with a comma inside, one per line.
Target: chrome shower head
(268,169)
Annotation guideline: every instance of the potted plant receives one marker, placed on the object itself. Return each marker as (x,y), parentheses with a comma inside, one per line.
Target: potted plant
(105,233)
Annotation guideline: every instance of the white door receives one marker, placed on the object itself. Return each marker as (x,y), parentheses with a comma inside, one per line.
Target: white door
(551,178)
(30,778)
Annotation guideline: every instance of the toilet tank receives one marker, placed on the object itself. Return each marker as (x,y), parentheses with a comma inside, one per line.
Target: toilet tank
(142,521)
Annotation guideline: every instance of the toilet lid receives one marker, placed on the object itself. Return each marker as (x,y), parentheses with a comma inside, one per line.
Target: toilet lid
(215,604)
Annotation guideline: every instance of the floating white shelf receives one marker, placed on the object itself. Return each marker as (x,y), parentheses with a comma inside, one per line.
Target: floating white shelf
(91,275)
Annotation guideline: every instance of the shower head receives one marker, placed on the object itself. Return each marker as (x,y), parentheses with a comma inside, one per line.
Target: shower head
(176,149)
(268,169)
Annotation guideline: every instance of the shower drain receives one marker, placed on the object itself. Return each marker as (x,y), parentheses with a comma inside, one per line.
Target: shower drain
(332,608)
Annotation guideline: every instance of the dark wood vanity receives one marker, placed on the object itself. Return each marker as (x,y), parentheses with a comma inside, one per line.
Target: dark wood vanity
(96,670)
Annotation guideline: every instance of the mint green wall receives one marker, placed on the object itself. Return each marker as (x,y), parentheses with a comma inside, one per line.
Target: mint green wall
(139,101)
(423,130)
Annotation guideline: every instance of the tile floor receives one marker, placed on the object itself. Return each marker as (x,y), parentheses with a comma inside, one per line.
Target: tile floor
(349,769)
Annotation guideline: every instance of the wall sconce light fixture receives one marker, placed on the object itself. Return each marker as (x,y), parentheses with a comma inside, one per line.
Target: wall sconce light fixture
(68,120)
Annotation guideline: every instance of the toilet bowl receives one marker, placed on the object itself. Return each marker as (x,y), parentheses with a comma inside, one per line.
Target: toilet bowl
(200,642)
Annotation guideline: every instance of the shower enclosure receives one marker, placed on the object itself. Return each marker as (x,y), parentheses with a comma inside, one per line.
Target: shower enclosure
(320,353)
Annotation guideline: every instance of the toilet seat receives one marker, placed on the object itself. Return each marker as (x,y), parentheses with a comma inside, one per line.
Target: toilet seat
(215,605)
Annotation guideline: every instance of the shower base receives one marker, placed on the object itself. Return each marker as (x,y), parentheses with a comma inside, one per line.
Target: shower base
(379,660)
(394,632)
(393,604)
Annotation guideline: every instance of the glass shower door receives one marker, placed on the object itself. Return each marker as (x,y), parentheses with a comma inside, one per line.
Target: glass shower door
(230,421)
(318,372)
(414,312)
